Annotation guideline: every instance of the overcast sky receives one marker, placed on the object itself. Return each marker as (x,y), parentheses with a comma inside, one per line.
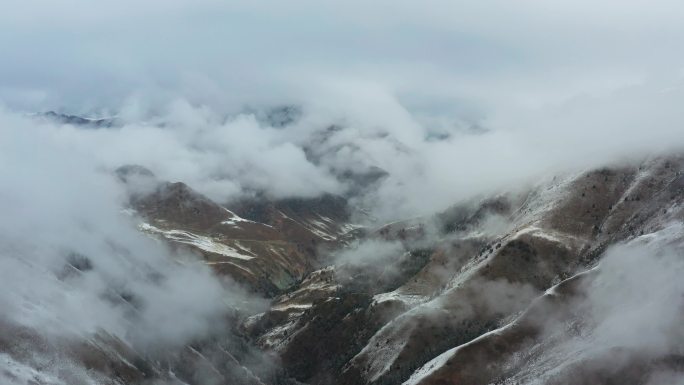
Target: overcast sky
(448,55)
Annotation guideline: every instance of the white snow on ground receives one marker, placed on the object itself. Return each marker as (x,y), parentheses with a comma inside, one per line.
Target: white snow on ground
(13,372)
(201,242)
(556,355)
(326,219)
(312,228)
(242,247)
(285,215)
(322,228)
(232,264)
(235,219)
(349,227)
(384,356)
(439,361)
(276,337)
(275,250)
(129,212)
(288,306)
(669,235)
(320,234)
(319,224)
(409,299)
(541,233)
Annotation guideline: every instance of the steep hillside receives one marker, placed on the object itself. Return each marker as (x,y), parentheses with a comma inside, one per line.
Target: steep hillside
(575,280)
(488,262)
(268,253)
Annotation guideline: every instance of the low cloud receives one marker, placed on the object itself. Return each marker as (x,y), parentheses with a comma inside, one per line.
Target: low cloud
(371,252)
(451,99)
(437,101)
(74,264)
(626,318)
(231,156)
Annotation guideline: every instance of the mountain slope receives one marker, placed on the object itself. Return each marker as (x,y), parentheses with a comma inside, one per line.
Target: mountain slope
(484,277)
(268,254)
(574,280)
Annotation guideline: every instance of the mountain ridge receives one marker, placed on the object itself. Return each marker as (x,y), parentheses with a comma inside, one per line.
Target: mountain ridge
(457,297)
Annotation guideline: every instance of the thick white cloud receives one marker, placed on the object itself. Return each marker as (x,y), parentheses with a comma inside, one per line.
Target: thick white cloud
(451,98)
(60,207)
(83,55)
(557,85)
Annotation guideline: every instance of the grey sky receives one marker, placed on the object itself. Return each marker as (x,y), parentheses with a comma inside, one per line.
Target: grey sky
(84,55)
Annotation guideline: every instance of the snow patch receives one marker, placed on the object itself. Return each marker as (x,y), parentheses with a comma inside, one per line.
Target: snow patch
(235,219)
(409,299)
(13,372)
(201,242)
(439,361)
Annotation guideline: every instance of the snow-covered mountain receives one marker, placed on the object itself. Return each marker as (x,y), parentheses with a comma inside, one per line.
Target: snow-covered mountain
(574,280)
(566,283)
(203,192)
